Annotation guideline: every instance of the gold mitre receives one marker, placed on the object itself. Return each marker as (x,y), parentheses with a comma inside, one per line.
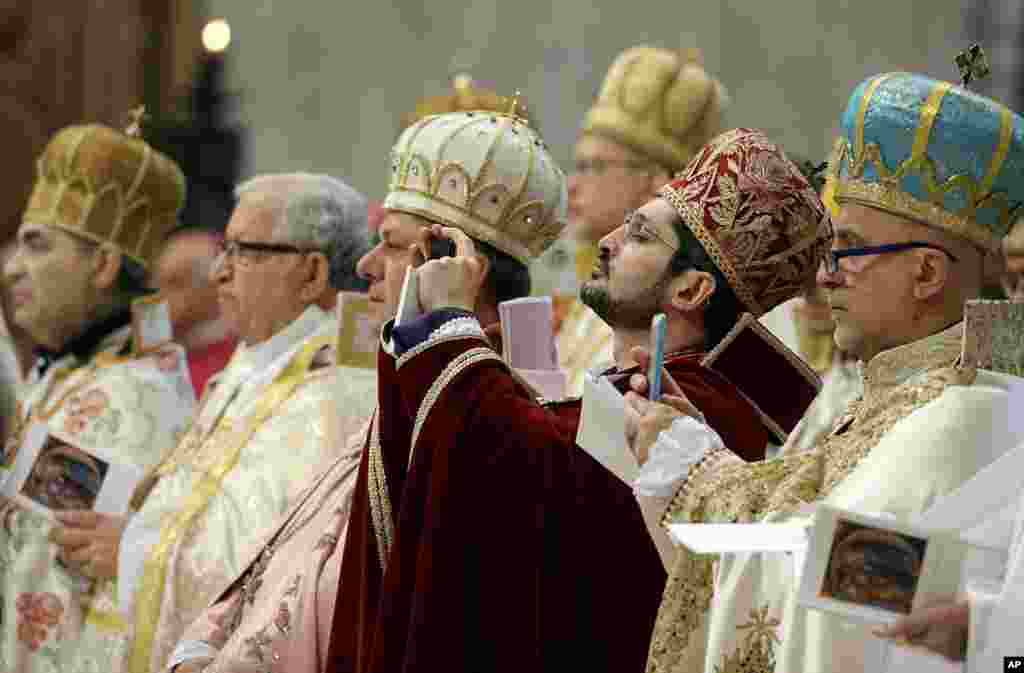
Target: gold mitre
(486,173)
(108,187)
(660,103)
(465,97)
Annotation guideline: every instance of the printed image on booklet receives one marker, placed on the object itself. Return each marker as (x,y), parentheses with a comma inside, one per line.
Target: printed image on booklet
(873,567)
(64,477)
(52,474)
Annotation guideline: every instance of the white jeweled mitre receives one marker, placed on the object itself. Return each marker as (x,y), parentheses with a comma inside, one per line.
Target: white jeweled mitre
(486,173)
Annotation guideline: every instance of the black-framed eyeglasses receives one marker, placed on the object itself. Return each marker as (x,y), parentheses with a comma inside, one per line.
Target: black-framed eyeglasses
(230,248)
(833,257)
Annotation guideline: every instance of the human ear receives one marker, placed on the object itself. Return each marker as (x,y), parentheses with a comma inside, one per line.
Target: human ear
(691,290)
(107,267)
(931,273)
(317,278)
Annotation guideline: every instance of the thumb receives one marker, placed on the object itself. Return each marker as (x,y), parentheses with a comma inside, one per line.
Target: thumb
(79,518)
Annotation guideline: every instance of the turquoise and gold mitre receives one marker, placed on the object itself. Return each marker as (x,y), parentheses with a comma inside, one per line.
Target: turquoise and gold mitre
(933,152)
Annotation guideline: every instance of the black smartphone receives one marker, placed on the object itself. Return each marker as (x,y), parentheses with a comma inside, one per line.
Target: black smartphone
(441,247)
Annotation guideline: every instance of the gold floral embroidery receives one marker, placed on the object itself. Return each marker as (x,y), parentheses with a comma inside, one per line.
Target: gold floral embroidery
(724,489)
(757,653)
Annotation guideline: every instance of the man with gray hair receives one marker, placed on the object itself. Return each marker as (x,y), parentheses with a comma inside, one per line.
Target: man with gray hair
(269,418)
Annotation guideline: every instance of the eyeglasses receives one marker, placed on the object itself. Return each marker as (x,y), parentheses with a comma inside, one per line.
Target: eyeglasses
(597,166)
(233,249)
(834,256)
(637,228)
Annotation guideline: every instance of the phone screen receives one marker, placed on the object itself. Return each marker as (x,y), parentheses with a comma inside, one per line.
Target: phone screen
(441,247)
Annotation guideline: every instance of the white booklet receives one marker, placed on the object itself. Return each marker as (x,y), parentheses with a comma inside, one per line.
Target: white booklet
(50,474)
(602,428)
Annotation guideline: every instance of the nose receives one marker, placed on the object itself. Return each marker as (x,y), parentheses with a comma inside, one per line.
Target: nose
(826,278)
(610,244)
(221,270)
(368,266)
(573,183)
(12,267)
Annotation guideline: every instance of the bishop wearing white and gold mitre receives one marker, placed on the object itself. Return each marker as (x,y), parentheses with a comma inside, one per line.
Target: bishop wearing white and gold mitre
(276,411)
(656,108)
(96,219)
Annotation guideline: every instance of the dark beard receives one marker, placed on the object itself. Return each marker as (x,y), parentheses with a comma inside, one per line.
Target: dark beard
(634,314)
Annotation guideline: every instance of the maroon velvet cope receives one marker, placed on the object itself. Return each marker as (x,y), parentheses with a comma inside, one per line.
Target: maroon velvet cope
(514,550)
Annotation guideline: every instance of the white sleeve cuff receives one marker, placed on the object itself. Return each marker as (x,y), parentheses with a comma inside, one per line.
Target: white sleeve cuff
(676,451)
(191,651)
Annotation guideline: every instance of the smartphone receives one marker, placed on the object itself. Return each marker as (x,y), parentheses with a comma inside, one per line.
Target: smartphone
(441,247)
(659,327)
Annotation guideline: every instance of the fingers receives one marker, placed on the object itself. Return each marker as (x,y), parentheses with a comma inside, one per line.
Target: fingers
(680,404)
(70,538)
(638,383)
(79,518)
(463,244)
(641,356)
(948,613)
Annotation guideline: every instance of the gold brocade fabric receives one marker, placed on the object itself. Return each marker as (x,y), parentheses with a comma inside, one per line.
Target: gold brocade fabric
(134,409)
(724,489)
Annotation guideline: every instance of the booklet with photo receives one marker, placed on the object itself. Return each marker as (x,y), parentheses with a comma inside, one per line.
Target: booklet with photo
(151,324)
(357,331)
(51,474)
(876,569)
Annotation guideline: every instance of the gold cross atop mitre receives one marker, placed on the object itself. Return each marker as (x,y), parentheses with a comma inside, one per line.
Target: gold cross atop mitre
(514,106)
(972,64)
(135,120)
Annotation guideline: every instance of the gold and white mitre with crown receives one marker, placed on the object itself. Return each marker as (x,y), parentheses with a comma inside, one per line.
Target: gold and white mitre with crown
(486,173)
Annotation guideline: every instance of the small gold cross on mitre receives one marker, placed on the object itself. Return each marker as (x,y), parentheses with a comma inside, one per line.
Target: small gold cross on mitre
(135,119)
(972,64)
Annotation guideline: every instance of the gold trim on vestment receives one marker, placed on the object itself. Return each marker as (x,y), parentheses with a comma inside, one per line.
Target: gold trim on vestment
(149,595)
(377,486)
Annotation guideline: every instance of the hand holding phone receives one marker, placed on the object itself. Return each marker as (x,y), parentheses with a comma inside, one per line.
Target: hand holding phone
(659,328)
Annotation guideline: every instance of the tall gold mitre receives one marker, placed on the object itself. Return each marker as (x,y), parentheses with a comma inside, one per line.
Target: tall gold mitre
(108,187)
(661,103)
(486,173)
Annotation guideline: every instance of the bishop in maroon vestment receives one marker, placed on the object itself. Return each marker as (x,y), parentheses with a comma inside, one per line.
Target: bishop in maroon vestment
(482,538)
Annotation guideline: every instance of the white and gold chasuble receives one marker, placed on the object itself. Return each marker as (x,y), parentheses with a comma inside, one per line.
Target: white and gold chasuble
(923,427)
(135,408)
(262,425)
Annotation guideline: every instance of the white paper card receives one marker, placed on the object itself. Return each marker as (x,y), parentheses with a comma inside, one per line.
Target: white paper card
(727,538)
(549,383)
(602,430)
(409,303)
(151,323)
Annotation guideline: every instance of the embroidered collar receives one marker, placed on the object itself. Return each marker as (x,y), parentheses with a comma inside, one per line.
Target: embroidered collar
(85,344)
(897,365)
